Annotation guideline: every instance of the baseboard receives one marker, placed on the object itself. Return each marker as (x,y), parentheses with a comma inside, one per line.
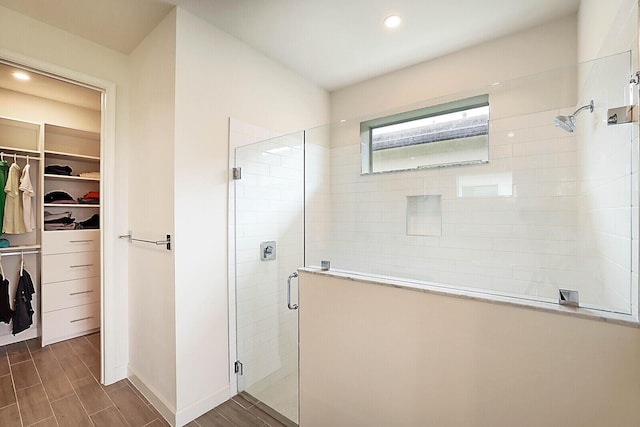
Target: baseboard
(193,411)
(165,409)
(114,374)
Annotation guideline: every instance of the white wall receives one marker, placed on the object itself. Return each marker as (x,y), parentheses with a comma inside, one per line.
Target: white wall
(373,355)
(601,23)
(152,363)
(217,77)
(55,50)
(542,48)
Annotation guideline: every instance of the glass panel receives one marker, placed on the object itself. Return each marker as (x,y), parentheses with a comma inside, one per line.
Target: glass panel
(269,214)
(550,210)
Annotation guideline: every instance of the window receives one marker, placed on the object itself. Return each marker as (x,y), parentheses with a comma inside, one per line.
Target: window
(454,133)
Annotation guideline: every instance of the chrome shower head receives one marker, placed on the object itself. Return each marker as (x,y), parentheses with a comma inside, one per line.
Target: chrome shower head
(568,123)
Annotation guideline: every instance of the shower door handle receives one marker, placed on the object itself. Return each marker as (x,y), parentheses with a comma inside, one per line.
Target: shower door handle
(291,276)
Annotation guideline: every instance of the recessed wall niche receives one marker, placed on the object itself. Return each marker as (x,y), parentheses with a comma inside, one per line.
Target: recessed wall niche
(424,215)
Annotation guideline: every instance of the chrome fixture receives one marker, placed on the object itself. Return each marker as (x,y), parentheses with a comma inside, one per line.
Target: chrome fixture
(568,297)
(568,123)
(291,306)
(268,250)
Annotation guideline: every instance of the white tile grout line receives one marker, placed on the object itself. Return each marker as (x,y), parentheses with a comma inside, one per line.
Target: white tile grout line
(15,393)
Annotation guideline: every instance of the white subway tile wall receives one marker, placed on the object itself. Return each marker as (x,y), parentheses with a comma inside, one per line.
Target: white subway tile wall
(566,224)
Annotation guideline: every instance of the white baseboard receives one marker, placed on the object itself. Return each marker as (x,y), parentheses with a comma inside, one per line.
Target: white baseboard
(165,409)
(204,405)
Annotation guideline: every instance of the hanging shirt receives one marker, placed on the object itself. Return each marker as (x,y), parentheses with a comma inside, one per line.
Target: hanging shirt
(4,171)
(27,199)
(13,221)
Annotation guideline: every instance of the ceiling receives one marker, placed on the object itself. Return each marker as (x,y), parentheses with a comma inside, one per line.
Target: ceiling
(49,88)
(332,43)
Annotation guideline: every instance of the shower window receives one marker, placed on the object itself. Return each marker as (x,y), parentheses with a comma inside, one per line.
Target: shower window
(454,133)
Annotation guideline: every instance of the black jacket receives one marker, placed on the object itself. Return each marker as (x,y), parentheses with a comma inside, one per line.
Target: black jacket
(23,315)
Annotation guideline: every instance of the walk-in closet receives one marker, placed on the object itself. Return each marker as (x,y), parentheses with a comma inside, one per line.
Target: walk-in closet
(50,142)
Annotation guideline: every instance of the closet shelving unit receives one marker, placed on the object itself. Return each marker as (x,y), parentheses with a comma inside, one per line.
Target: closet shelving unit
(24,140)
(64,264)
(70,258)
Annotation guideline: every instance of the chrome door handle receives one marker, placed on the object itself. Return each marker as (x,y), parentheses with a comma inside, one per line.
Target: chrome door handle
(291,276)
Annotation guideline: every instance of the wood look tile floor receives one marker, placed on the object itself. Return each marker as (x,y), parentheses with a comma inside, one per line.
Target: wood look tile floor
(58,385)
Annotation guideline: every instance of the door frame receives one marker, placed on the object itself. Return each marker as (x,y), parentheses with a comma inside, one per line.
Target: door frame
(112,350)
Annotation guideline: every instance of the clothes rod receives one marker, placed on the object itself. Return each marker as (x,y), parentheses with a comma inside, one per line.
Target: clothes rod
(166,242)
(19,253)
(17,156)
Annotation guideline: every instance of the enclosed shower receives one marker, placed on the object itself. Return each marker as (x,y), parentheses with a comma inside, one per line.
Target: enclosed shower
(544,201)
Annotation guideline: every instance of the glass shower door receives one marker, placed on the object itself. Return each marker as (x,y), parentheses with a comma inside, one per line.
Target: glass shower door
(269,244)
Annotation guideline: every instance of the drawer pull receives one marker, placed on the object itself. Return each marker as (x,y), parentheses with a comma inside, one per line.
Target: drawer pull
(78,293)
(81,241)
(80,320)
(81,265)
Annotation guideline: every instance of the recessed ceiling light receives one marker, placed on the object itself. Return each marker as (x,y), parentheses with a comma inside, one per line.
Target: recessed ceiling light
(21,76)
(392,21)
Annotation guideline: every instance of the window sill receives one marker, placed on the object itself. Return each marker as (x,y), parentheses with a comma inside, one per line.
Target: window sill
(549,307)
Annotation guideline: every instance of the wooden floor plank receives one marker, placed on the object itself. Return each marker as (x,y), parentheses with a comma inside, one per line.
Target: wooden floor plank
(55,382)
(109,417)
(10,416)
(24,375)
(34,405)
(7,395)
(69,412)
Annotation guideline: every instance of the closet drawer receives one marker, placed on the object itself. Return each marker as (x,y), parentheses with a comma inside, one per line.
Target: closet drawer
(58,268)
(72,293)
(70,321)
(63,242)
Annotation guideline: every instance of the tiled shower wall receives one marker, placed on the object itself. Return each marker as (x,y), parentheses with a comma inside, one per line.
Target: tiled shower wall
(518,243)
(607,223)
(529,241)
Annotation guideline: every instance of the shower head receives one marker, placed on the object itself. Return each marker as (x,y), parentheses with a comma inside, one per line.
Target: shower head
(568,123)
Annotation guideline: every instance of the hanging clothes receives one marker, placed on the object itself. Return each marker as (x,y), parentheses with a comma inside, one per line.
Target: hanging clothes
(4,172)
(6,314)
(13,221)
(23,315)
(27,199)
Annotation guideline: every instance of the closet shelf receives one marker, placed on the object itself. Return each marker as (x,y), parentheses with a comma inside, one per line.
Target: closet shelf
(70,205)
(70,178)
(20,150)
(70,155)
(19,248)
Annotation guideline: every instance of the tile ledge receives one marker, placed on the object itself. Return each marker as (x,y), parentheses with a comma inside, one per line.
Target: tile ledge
(431,288)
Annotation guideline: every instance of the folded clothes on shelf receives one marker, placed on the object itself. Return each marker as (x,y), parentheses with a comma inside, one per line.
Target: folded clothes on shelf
(95,175)
(91,223)
(59,197)
(58,170)
(91,198)
(48,216)
(63,218)
(53,227)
